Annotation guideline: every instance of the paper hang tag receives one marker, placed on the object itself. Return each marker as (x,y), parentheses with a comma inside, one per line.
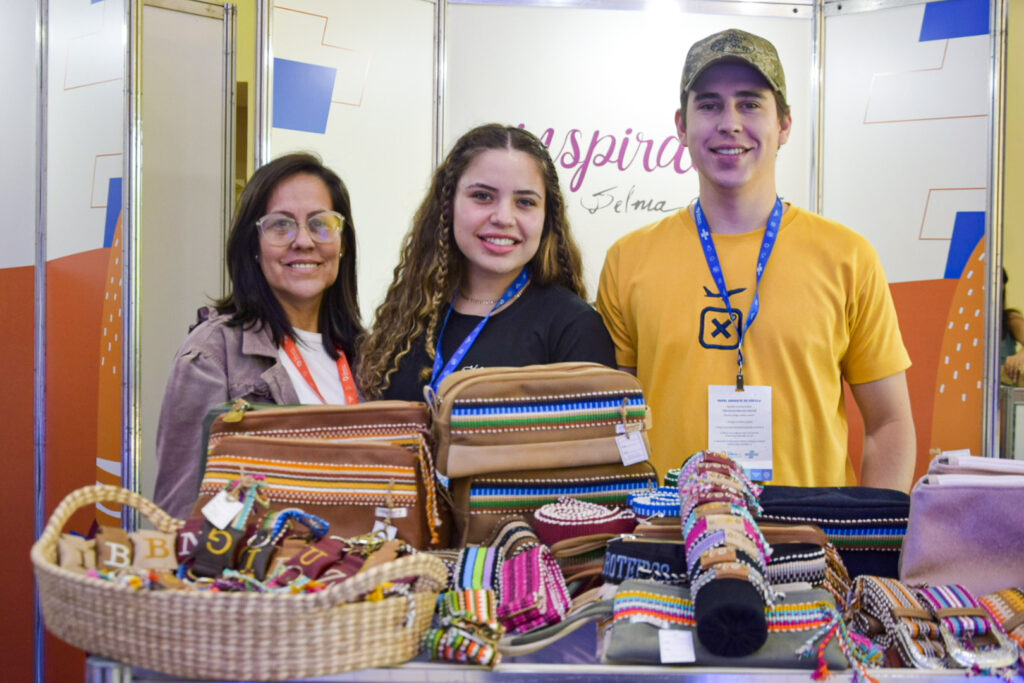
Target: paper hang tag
(222,509)
(632,448)
(392,513)
(676,647)
(387,530)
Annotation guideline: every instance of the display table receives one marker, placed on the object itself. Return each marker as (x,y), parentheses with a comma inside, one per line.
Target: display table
(570,660)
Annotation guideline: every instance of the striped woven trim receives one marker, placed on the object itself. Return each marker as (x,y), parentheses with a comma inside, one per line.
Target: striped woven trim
(1007,608)
(866,538)
(861,534)
(510,415)
(396,434)
(877,599)
(952,596)
(660,609)
(322,484)
(485,498)
(809,567)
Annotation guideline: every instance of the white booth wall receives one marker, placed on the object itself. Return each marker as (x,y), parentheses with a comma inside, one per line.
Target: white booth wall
(595,84)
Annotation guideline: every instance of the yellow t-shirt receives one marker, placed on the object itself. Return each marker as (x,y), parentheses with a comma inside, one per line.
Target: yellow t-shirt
(826,313)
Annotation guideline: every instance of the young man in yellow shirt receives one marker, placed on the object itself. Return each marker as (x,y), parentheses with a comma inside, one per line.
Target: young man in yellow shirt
(742,314)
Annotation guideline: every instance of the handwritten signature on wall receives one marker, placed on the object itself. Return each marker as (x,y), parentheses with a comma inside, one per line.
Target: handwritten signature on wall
(578,154)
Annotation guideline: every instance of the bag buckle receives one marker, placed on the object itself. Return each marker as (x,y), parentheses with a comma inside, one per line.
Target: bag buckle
(1005,654)
(919,659)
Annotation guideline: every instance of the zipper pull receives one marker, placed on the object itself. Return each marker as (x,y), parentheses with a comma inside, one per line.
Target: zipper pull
(237,411)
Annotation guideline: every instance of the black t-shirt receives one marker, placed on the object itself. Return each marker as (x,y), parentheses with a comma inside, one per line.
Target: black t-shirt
(544,325)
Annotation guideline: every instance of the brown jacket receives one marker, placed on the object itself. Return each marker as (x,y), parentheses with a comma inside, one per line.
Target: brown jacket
(215,364)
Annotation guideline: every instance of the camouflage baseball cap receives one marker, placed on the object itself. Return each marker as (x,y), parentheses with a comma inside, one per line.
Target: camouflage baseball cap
(734,44)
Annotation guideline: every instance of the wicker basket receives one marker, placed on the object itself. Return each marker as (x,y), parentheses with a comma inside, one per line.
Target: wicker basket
(232,635)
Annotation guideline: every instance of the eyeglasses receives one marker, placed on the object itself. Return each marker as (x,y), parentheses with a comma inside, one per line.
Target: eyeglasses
(279,229)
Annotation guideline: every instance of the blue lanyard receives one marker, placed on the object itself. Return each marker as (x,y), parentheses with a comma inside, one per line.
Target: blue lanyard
(442,369)
(771,233)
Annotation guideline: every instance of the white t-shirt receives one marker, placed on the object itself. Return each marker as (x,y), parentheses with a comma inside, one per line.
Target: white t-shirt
(322,367)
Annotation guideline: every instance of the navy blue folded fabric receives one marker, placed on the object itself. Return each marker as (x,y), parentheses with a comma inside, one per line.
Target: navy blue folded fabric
(865,524)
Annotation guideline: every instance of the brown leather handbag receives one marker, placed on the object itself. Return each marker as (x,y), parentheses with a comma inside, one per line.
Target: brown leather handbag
(353,465)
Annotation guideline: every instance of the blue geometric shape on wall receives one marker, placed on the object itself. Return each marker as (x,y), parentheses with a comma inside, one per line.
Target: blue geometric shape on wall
(302,95)
(968,229)
(954,19)
(113,211)
(95,1)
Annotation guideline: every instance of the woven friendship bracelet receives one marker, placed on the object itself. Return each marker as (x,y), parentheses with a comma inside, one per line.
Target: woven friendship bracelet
(736,523)
(725,538)
(570,517)
(710,461)
(726,555)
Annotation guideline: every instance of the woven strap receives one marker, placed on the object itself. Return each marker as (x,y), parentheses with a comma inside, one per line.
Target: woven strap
(956,609)
(972,639)
(906,623)
(1007,607)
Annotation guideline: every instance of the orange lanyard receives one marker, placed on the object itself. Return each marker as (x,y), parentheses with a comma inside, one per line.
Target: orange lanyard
(348,385)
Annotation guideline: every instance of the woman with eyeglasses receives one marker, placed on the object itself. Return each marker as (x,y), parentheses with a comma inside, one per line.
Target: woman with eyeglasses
(489,273)
(286,329)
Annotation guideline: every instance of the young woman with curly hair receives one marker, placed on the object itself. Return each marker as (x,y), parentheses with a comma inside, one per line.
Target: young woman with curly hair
(489,270)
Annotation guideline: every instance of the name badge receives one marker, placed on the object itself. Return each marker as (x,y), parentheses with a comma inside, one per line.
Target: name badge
(740,424)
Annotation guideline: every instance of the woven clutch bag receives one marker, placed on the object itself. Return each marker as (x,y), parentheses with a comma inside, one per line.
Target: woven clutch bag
(502,419)
(235,636)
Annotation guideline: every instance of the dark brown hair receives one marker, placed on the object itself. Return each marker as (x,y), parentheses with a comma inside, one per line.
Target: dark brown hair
(250,300)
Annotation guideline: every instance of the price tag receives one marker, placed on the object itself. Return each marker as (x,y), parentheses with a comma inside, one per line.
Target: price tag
(632,448)
(676,647)
(387,530)
(222,509)
(393,513)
